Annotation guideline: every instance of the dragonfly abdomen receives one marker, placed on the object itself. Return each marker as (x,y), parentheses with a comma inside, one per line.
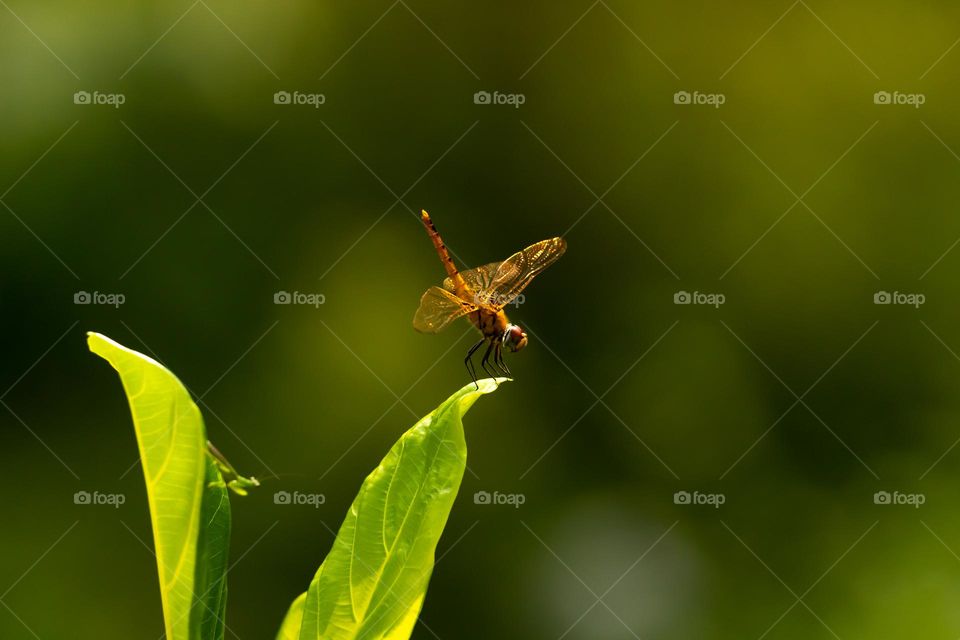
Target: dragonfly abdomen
(460,287)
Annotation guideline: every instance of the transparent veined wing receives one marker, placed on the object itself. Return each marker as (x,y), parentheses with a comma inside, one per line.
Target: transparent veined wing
(438,308)
(516,272)
(479,280)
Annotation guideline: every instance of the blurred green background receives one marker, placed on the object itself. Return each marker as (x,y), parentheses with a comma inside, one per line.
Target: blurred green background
(797,400)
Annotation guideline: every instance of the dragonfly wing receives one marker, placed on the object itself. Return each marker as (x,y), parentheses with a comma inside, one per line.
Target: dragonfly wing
(515,273)
(478,279)
(438,308)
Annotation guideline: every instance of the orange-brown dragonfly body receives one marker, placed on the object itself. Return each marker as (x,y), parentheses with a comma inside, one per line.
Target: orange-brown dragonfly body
(480,294)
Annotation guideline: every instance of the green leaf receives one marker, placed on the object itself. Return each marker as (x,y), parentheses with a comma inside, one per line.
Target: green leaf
(290,629)
(213,543)
(372,583)
(189,508)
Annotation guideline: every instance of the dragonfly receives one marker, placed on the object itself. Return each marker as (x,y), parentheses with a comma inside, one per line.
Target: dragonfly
(480,294)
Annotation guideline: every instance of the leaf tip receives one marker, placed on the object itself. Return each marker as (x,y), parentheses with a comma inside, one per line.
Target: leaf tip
(99,343)
(109,349)
(469,393)
(489,385)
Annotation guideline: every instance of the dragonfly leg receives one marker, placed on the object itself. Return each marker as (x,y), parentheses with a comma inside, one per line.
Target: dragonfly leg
(485,362)
(468,361)
(500,361)
(498,358)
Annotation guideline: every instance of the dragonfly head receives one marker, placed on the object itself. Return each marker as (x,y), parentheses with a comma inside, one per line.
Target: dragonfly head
(514,337)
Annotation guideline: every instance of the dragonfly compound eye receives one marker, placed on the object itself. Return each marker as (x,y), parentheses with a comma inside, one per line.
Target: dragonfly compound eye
(516,338)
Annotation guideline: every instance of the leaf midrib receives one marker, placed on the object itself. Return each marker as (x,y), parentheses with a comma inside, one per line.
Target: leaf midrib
(382,566)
